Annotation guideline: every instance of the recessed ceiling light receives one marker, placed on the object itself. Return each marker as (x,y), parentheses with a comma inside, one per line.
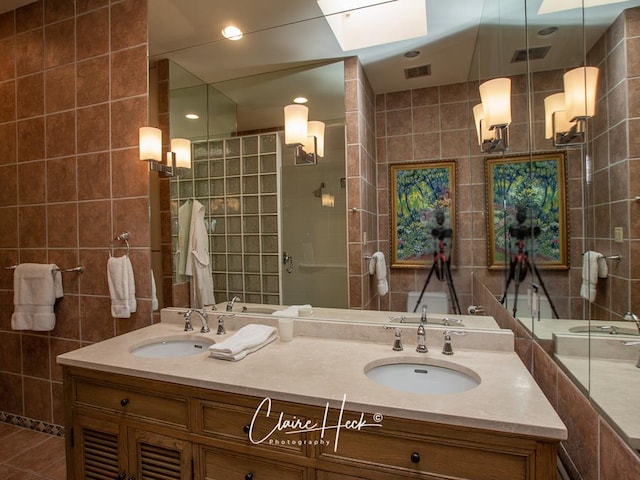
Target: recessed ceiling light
(300,100)
(547,31)
(192,116)
(412,54)
(232,33)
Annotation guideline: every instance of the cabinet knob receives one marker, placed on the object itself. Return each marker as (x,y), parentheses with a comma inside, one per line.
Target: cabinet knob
(124,402)
(122,476)
(248,476)
(415,457)
(246,429)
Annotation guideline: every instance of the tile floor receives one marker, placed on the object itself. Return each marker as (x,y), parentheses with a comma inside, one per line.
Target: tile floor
(30,455)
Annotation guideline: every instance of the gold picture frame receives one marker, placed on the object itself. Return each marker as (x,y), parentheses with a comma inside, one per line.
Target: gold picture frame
(526,199)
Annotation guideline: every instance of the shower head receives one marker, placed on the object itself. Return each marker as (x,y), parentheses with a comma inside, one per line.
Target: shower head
(318,192)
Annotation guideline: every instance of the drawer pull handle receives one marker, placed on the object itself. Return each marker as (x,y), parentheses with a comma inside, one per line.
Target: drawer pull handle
(124,402)
(122,476)
(248,476)
(415,457)
(246,429)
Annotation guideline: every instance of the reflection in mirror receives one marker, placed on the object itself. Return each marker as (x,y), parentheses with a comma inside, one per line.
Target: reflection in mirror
(260,207)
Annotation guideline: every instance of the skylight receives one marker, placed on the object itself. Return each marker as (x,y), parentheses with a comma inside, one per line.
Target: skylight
(552,6)
(365,23)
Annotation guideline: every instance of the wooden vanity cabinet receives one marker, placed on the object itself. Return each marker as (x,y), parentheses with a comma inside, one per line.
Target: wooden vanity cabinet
(128,428)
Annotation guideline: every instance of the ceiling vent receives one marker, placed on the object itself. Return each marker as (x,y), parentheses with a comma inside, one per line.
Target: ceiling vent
(415,72)
(535,53)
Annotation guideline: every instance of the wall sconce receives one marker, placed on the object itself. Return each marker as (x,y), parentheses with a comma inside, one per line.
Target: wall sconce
(493,115)
(178,159)
(566,113)
(307,137)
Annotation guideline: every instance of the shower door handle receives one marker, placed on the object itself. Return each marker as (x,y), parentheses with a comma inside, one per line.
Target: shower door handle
(287,261)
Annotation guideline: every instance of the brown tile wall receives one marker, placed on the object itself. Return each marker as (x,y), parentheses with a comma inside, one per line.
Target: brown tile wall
(615,153)
(73,92)
(362,191)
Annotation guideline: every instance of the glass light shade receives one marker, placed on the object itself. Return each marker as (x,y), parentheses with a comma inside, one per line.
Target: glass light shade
(315,129)
(481,125)
(295,124)
(580,92)
(496,101)
(150,144)
(182,148)
(554,111)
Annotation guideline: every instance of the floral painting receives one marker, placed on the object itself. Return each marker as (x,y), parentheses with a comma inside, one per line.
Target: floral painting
(423,211)
(526,201)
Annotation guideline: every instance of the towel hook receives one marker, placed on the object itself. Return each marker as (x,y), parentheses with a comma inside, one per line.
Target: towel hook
(123,237)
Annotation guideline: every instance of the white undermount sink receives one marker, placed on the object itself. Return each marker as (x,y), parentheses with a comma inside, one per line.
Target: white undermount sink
(414,377)
(172,347)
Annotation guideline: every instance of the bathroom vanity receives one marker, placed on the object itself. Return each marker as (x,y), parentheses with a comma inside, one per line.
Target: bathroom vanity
(302,410)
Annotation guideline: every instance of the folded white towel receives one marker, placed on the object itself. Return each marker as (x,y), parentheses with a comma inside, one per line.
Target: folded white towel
(122,287)
(291,311)
(378,265)
(35,289)
(594,265)
(305,310)
(246,340)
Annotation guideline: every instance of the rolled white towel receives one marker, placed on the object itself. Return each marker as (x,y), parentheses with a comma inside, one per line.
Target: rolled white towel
(291,311)
(378,265)
(246,340)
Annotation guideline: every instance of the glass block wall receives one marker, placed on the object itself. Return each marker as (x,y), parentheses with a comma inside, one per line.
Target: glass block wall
(236,179)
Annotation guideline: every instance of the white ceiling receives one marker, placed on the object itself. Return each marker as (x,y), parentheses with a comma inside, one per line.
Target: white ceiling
(466,39)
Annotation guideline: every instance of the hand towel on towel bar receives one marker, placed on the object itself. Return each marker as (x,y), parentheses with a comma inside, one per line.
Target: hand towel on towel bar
(35,289)
(122,287)
(246,340)
(378,266)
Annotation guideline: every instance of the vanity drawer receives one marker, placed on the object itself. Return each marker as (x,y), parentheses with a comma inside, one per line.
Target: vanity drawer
(223,465)
(149,405)
(251,426)
(430,456)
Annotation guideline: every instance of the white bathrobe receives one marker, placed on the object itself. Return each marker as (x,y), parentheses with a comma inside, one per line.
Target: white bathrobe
(198,264)
(184,225)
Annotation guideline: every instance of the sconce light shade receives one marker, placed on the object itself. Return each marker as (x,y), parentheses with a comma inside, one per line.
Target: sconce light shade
(482,127)
(580,92)
(150,144)
(295,124)
(181,147)
(496,102)
(328,200)
(315,139)
(555,115)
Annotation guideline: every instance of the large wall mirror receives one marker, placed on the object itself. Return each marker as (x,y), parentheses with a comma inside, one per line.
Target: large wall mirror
(559,201)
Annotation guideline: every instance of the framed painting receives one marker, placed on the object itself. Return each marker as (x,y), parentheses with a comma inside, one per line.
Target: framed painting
(423,212)
(527,210)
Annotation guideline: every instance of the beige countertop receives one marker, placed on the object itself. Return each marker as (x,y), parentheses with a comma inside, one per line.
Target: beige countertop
(315,370)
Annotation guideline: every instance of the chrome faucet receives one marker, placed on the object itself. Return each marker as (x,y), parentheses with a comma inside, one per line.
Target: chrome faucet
(203,316)
(632,317)
(231,302)
(422,332)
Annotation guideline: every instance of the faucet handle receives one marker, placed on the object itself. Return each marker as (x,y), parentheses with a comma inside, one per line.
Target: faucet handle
(446,321)
(400,318)
(397,342)
(447,349)
(187,320)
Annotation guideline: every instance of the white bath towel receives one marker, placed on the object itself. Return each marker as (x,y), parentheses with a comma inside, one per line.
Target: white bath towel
(246,340)
(378,266)
(295,311)
(594,265)
(35,290)
(122,287)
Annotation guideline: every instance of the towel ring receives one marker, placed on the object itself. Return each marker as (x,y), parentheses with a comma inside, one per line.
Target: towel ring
(123,237)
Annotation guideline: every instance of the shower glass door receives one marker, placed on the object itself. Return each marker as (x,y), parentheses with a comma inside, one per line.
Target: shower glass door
(314,227)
